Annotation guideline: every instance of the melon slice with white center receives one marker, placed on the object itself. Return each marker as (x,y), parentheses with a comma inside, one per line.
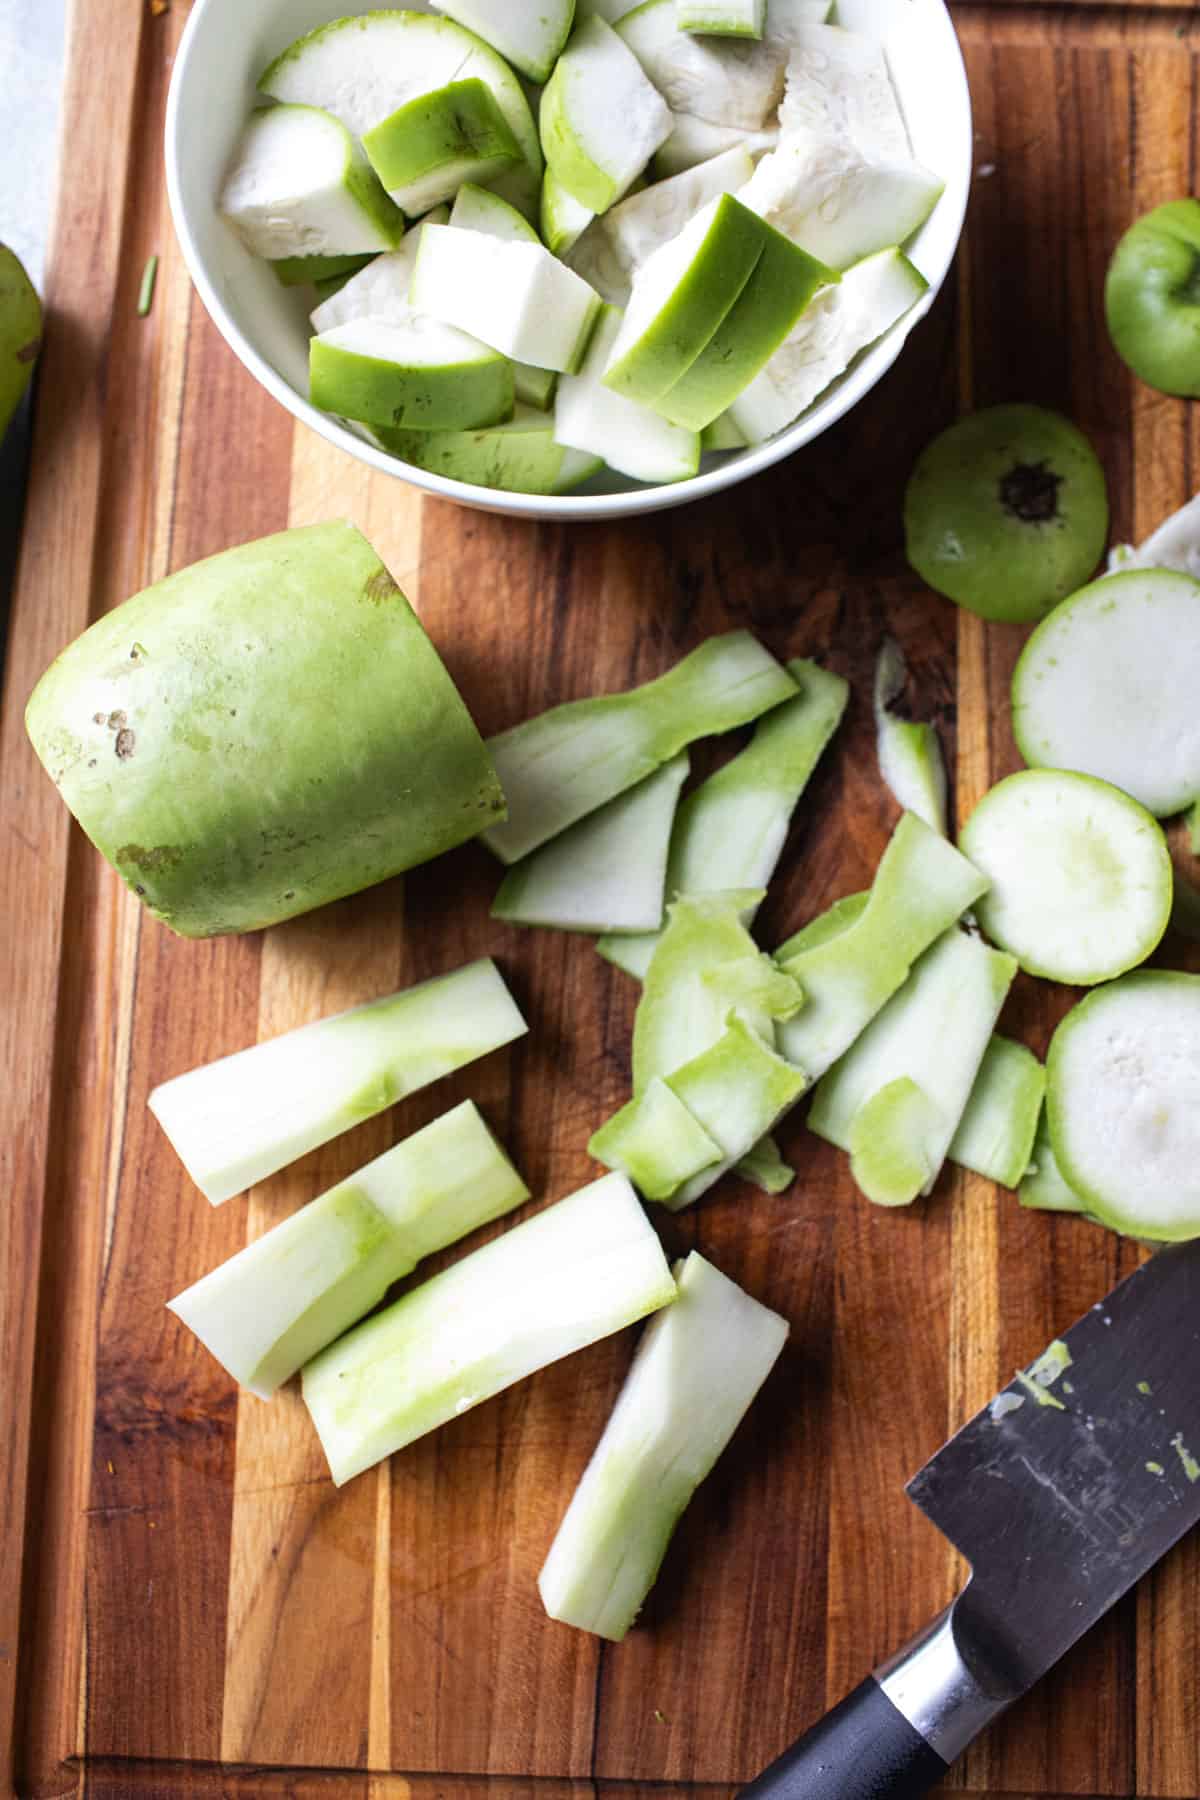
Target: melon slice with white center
(839,84)
(427,148)
(826,196)
(628,436)
(601,120)
(415,372)
(516,297)
(300,186)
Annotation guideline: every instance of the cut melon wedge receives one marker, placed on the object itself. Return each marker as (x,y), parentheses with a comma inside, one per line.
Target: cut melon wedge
(729,83)
(826,196)
(618,243)
(995,1135)
(629,437)
(238,1120)
(694,141)
(302,271)
(607,873)
(364,67)
(852,960)
(1108,682)
(427,148)
(416,372)
(521,456)
(563,220)
(1080,884)
(840,322)
(933,1034)
(564,763)
(601,120)
(529,37)
(380,291)
(839,85)
(681,295)
(479,209)
(576,1272)
(781,284)
(515,296)
(679,1014)
(697,1369)
(1123,1104)
(1042,1185)
(274,1305)
(300,186)
(722,18)
(656,1141)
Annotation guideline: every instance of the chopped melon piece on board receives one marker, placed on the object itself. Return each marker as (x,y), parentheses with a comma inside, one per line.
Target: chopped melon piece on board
(576,1272)
(235,1121)
(696,1370)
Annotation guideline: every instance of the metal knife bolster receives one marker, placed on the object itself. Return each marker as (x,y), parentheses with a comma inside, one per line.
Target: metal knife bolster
(942,1686)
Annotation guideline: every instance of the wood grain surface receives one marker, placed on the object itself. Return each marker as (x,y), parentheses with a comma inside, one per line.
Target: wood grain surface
(187,1606)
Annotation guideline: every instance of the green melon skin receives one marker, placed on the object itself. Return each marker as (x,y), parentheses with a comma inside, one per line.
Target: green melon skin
(20,333)
(262,733)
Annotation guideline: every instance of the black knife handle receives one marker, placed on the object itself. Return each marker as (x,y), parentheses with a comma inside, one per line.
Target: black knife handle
(865,1749)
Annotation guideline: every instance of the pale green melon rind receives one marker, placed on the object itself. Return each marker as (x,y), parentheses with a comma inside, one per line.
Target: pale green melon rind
(781,284)
(296,271)
(562,764)
(576,1272)
(889,1159)
(1107,684)
(765,1168)
(1118,1200)
(649,363)
(695,1373)
(285,1296)
(518,457)
(425,149)
(464,395)
(677,1017)
(228,806)
(1042,925)
(1042,1186)
(656,1141)
(995,1136)
(20,333)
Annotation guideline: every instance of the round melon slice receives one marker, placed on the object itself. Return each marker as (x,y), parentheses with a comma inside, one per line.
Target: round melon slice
(1123,1103)
(1108,683)
(1081,883)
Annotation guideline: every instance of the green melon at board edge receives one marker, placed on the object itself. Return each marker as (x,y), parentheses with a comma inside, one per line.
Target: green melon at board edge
(261,733)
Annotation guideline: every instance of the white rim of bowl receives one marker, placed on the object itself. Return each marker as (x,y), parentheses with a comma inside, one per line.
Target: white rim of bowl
(740,467)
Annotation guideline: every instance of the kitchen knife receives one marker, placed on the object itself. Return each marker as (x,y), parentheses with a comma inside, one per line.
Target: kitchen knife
(1060,1494)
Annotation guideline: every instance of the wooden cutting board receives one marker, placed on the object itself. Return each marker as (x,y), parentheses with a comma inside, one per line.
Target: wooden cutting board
(186,1604)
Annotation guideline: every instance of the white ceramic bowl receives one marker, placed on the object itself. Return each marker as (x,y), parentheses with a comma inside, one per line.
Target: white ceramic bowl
(226,45)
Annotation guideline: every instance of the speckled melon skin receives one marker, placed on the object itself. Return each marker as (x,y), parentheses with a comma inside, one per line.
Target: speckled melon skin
(262,733)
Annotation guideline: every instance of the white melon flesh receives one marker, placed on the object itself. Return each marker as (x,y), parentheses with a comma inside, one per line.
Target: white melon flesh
(827,197)
(301,186)
(516,297)
(380,291)
(727,81)
(601,120)
(618,243)
(417,372)
(529,37)
(1175,544)
(364,67)
(627,435)
(695,141)
(478,209)
(1108,684)
(722,18)
(1123,1103)
(697,1369)
(839,323)
(839,85)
